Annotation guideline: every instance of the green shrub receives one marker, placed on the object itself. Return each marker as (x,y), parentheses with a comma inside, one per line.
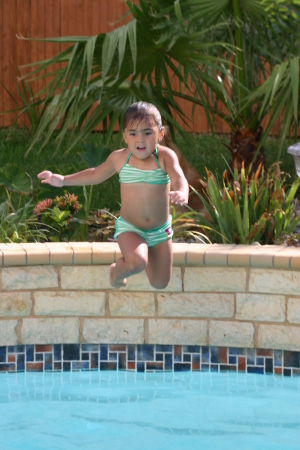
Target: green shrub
(246,210)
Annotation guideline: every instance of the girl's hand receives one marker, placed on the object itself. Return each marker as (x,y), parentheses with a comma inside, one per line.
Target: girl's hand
(178,198)
(51,178)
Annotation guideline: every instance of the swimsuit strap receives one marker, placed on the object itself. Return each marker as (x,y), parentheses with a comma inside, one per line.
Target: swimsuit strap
(128,159)
(156,156)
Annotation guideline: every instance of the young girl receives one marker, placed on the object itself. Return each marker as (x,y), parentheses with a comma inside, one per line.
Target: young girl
(146,171)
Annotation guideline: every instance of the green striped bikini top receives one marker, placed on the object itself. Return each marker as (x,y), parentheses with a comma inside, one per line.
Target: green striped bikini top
(129,174)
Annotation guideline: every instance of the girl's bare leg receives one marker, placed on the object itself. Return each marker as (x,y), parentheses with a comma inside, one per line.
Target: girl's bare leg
(159,267)
(135,257)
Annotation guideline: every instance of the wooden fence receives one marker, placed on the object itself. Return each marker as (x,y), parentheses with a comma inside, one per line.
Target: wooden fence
(53,18)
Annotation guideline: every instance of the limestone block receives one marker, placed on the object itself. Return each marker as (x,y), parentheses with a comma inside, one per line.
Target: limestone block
(69,303)
(140,282)
(33,277)
(260,307)
(85,277)
(216,279)
(195,305)
(293,310)
(7,332)
(180,332)
(105,331)
(231,334)
(14,304)
(50,331)
(131,303)
(274,281)
(279,336)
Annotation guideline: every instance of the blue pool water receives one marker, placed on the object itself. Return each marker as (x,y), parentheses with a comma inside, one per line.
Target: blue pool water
(137,411)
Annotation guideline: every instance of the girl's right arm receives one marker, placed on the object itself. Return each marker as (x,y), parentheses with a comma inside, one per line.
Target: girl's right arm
(95,175)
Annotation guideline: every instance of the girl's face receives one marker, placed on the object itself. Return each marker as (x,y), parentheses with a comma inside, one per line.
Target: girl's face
(142,137)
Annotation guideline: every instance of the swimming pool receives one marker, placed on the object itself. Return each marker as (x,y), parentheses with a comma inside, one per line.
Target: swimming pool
(141,411)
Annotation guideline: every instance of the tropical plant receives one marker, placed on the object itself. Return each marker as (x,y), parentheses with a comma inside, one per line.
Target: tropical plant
(17,223)
(29,108)
(248,209)
(239,59)
(58,217)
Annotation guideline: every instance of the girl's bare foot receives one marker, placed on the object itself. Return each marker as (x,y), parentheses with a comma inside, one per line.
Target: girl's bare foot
(116,283)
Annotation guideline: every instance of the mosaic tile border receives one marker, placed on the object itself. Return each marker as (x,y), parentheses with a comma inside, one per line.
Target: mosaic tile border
(147,358)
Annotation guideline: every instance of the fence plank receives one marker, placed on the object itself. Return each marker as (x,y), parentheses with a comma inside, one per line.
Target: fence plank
(1,67)
(6,60)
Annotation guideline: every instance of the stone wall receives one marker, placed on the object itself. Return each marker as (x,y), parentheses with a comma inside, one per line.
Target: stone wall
(219,295)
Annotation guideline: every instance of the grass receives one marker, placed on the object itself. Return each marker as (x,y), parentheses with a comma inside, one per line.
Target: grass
(200,150)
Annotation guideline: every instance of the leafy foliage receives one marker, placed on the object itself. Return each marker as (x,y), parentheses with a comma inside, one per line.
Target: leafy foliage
(59,217)
(239,59)
(246,210)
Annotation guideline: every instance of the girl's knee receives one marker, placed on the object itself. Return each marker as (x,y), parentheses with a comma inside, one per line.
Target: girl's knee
(136,263)
(160,283)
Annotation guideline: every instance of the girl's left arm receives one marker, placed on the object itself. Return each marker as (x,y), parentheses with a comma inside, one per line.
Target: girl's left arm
(180,193)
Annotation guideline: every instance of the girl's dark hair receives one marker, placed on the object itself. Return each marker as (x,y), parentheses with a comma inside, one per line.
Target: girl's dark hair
(140,112)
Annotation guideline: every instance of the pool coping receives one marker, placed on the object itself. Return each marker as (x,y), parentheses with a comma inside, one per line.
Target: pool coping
(184,254)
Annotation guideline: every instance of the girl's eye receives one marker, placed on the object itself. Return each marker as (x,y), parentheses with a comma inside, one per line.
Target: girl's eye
(131,134)
(148,133)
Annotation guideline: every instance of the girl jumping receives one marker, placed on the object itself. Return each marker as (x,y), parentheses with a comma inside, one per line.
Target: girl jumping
(146,172)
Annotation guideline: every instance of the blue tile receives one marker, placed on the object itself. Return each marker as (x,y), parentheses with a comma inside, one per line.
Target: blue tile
(16,348)
(291,359)
(187,358)
(80,365)
(39,357)
(268,365)
(159,357)
(122,361)
(140,367)
(191,348)
(214,368)
(256,369)
(260,361)
(113,356)
(287,372)
(278,358)
(164,348)
(182,367)
(71,352)
(145,352)
(214,355)
(103,352)
(237,351)
(205,367)
(109,365)
(29,353)
(251,356)
(85,356)
(227,368)
(89,347)
(7,367)
(66,366)
(57,352)
(131,352)
(20,362)
(205,354)
(48,361)
(2,354)
(232,359)
(168,362)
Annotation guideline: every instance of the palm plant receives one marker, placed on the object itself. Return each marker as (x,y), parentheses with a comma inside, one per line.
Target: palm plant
(241,54)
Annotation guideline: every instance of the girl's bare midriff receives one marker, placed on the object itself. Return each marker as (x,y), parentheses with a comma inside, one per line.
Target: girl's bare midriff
(144,205)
